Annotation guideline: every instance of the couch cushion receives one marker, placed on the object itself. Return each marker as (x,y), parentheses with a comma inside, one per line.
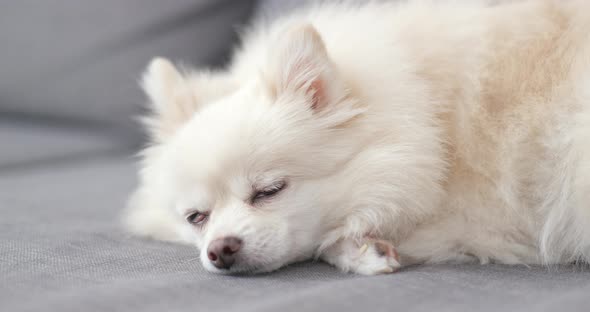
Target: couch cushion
(62,249)
(82,59)
(272,9)
(31,143)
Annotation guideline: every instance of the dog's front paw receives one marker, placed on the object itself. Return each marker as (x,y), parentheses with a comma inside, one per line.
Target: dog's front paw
(377,257)
(371,257)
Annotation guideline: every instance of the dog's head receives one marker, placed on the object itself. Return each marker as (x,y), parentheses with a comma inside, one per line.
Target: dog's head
(242,166)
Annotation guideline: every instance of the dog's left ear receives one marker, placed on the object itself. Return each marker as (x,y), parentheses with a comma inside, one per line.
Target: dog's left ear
(171,98)
(176,96)
(299,63)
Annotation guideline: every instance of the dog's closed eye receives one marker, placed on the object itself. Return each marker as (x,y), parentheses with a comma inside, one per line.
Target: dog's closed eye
(197,218)
(268,191)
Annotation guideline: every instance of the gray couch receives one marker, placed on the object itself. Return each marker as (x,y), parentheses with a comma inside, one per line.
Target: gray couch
(67,139)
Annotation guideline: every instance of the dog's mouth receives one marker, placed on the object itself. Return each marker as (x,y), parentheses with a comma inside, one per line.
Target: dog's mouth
(236,255)
(244,265)
(232,265)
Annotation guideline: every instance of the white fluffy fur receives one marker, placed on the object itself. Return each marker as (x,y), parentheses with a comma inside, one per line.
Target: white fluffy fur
(454,132)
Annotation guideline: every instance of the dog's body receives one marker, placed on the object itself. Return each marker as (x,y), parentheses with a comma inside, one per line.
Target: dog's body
(453,132)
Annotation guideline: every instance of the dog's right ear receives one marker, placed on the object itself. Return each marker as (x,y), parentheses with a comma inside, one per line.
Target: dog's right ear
(171,96)
(299,63)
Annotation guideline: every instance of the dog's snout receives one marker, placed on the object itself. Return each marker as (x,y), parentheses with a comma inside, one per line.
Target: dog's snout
(222,251)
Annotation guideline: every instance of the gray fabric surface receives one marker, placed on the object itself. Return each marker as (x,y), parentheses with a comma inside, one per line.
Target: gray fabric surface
(31,143)
(81,59)
(61,249)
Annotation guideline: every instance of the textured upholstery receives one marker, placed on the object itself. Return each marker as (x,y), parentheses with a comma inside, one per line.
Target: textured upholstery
(31,143)
(63,251)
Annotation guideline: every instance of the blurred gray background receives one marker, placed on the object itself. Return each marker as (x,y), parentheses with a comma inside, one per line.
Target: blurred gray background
(68,98)
(69,68)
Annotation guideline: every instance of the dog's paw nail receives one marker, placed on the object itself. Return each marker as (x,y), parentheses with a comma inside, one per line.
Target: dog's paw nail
(363,249)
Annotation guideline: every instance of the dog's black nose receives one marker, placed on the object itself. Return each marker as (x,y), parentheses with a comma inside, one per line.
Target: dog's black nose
(222,251)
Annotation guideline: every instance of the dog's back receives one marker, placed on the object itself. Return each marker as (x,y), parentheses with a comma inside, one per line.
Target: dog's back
(517,85)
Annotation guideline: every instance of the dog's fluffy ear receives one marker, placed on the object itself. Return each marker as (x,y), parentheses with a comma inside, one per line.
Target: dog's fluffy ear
(299,63)
(171,96)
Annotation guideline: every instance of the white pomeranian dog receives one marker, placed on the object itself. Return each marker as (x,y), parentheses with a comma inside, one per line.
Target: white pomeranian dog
(378,135)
